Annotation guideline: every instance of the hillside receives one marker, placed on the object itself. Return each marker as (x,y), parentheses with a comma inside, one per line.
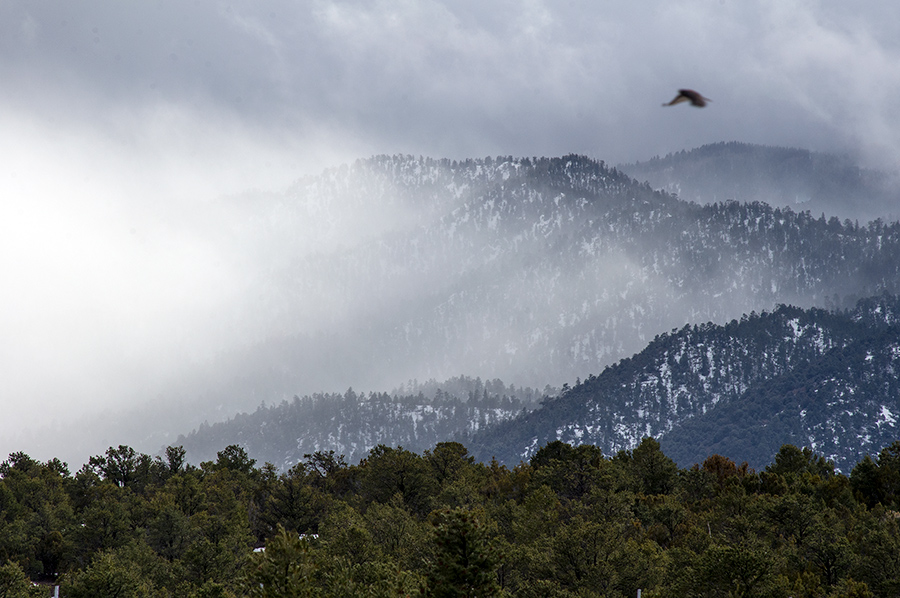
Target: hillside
(534,271)
(538,271)
(808,377)
(352,423)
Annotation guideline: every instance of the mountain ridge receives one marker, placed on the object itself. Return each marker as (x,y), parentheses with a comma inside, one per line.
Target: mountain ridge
(351,423)
(690,384)
(536,271)
(563,262)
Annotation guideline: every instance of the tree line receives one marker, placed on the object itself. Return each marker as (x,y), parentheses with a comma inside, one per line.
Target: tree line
(570,522)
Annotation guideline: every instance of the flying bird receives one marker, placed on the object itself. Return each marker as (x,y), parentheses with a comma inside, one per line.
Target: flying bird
(689,95)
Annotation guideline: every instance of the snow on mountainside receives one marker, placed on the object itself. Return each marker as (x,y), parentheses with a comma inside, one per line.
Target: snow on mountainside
(809,377)
(353,423)
(534,271)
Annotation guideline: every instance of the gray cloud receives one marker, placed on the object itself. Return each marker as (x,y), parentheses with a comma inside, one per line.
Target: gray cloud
(465,78)
(121,121)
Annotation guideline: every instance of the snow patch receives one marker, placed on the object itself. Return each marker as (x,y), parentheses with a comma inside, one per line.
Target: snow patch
(886,417)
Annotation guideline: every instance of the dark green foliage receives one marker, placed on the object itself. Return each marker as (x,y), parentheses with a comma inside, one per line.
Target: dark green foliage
(122,466)
(568,523)
(747,569)
(285,570)
(447,460)
(653,472)
(877,481)
(387,472)
(570,471)
(15,584)
(465,564)
(131,570)
(235,458)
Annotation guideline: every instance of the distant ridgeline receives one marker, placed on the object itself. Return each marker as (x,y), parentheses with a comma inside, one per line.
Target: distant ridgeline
(416,417)
(778,176)
(827,380)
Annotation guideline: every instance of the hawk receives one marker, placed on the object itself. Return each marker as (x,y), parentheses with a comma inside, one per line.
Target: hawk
(689,95)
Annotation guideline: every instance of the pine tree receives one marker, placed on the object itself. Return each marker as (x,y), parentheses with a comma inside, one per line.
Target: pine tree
(466,564)
(285,569)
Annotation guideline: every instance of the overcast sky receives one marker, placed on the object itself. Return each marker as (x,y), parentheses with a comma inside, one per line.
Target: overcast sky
(118,120)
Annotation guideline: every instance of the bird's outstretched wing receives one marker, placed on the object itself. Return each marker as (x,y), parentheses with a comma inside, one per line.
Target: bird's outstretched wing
(689,95)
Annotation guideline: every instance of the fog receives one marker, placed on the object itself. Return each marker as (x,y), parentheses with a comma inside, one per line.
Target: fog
(124,125)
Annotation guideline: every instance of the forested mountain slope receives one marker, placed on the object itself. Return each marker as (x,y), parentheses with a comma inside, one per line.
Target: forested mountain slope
(533,271)
(352,423)
(809,377)
(778,176)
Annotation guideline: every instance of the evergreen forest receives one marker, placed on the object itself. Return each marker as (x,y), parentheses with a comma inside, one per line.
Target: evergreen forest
(570,522)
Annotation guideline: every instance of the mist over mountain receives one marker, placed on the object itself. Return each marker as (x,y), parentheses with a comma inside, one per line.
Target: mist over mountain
(534,271)
(779,176)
